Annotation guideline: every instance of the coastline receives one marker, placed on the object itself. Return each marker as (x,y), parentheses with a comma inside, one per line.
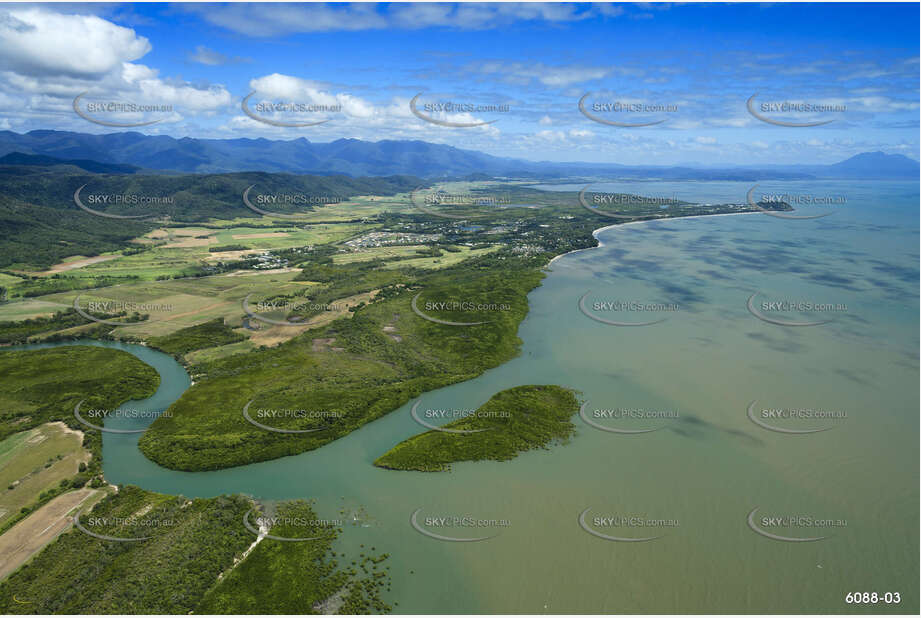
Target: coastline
(613,225)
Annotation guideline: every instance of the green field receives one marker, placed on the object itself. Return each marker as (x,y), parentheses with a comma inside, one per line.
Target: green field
(207,335)
(35,461)
(8,280)
(42,386)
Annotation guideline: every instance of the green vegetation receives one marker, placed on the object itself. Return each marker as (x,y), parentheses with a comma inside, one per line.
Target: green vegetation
(31,287)
(349,367)
(352,370)
(512,421)
(20,332)
(191,562)
(43,235)
(208,335)
(40,224)
(36,461)
(228,248)
(192,542)
(39,386)
(281,577)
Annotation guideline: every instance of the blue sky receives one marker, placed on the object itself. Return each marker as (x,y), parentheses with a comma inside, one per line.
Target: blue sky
(694,66)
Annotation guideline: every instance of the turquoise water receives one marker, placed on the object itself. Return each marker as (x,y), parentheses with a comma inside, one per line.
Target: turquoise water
(703,471)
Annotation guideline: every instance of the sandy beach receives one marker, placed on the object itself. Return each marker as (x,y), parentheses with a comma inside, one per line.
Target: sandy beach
(607,227)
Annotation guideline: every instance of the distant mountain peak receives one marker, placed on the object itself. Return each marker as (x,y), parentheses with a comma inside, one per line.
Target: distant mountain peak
(878,164)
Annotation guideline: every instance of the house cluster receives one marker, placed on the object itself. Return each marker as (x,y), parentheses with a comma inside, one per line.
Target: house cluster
(382,239)
(267,261)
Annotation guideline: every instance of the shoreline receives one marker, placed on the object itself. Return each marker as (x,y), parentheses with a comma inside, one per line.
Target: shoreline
(613,225)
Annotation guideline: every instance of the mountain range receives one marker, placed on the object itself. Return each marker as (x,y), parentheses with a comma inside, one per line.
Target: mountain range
(123,152)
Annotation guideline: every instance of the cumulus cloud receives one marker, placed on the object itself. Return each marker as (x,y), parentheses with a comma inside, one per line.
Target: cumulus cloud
(36,42)
(296,89)
(48,58)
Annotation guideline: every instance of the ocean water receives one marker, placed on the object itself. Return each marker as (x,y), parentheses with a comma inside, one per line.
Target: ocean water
(695,479)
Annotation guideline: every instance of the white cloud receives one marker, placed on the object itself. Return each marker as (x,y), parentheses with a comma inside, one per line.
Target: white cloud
(550,135)
(47,59)
(559,76)
(262,20)
(207,56)
(257,19)
(295,89)
(35,42)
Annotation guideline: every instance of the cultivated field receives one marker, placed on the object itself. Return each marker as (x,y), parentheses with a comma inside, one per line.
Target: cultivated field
(36,460)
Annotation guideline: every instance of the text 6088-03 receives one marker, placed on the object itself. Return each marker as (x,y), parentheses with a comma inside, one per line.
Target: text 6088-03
(872,597)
